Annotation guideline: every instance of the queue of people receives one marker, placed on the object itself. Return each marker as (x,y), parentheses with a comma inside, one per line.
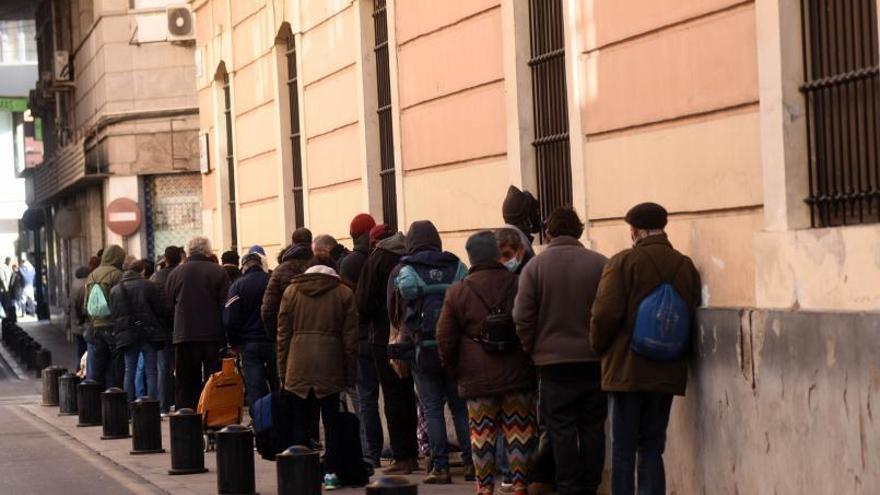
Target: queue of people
(530,352)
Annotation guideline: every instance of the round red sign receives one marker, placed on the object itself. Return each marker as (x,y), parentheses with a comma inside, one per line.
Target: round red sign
(123,217)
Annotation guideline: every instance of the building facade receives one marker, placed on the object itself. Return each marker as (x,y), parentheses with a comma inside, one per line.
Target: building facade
(117,99)
(755,122)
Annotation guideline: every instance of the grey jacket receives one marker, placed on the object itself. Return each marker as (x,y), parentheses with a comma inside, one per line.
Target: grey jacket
(553,306)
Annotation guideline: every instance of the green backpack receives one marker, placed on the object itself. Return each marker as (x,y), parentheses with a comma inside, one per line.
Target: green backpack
(97,306)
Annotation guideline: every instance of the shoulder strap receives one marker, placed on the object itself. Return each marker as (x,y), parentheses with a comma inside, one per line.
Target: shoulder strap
(126,296)
(470,285)
(663,279)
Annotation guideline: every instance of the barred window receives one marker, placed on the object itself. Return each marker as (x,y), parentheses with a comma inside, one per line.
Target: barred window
(295,144)
(386,137)
(841,90)
(230,162)
(550,104)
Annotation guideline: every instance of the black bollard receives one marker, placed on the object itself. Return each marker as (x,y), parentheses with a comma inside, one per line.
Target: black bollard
(67,394)
(299,471)
(392,485)
(187,443)
(42,360)
(30,354)
(114,414)
(50,384)
(146,427)
(235,461)
(88,403)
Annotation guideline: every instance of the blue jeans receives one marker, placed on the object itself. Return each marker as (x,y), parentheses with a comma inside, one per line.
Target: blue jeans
(638,426)
(368,405)
(140,378)
(259,367)
(104,364)
(435,390)
(150,369)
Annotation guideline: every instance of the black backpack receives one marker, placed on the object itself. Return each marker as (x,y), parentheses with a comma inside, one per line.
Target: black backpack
(497,331)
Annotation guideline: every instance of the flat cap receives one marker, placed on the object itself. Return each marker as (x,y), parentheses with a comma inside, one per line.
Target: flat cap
(647,216)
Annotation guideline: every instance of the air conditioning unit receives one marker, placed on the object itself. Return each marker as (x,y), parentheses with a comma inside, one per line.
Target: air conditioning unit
(181,23)
(62,66)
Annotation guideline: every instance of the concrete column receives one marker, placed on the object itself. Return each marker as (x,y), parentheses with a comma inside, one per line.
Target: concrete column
(783,115)
(516,51)
(572,12)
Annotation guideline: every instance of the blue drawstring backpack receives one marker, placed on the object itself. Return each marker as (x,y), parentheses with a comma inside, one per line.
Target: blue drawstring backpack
(663,322)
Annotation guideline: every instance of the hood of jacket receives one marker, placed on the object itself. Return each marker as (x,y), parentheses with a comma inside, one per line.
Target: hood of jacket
(297,252)
(423,236)
(113,256)
(395,244)
(315,284)
(431,259)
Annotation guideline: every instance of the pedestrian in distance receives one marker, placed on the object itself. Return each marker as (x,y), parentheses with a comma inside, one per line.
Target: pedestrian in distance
(648,293)
(28,277)
(419,285)
(196,292)
(245,330)
(105,364)
(480,349)
(317,354)
(552,315)
(77,319)
(139,320)
(372,297)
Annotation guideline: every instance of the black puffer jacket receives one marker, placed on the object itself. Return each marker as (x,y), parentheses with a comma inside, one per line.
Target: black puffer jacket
(293,263)
(138,311)
(241,317)
(372,288)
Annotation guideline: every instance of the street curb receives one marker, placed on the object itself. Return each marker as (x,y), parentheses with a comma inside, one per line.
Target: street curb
(87,448)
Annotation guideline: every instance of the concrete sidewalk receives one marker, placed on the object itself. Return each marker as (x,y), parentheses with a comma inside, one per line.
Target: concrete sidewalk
(153,469)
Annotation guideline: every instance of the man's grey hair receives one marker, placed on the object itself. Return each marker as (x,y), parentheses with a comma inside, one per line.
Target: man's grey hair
(508,237)
(326,241)
(199,245)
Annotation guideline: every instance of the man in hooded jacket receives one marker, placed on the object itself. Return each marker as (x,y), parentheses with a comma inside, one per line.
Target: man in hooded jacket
(400,400)
(104,363)
(416,285)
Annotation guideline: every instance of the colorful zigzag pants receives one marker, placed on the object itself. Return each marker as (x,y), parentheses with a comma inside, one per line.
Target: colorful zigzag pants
(512,415)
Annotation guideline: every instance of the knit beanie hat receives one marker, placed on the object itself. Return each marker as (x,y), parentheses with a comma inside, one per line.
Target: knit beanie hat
(482,247)
(361,224)
(256,248)
(647,216)
(380,232)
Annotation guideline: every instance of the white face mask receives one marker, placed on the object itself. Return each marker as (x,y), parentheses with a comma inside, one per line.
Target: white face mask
(512,264)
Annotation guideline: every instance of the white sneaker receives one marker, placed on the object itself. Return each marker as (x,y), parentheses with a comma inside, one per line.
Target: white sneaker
(331,482)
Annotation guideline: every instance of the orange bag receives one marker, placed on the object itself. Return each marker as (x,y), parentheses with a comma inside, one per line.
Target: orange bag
(222,399)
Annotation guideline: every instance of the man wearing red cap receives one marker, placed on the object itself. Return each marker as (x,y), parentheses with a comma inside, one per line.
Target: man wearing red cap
(368,382)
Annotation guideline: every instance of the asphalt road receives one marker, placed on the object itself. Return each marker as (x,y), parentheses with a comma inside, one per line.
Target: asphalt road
(38,459)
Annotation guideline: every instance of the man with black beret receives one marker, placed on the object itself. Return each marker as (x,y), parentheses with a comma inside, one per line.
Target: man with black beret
(640,388)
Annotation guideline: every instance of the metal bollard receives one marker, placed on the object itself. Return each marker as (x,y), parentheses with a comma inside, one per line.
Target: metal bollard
(392,485)
(88,403)
(146,427)
(67,394)
(50,384)
(235,460)
(114,414)
(42,360)
(187,443)
(299,471)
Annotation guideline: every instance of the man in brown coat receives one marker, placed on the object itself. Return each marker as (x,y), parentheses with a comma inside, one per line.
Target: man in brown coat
(641,389)
(294,261)
(552,316)
(317,353)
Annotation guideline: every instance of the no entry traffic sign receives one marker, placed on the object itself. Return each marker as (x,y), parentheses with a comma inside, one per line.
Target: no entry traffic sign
(123,217)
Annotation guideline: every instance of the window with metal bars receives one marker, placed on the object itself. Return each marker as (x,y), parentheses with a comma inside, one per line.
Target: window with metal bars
(295,145)
(550,104)
(230,162)
(386,137)
(841,89)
